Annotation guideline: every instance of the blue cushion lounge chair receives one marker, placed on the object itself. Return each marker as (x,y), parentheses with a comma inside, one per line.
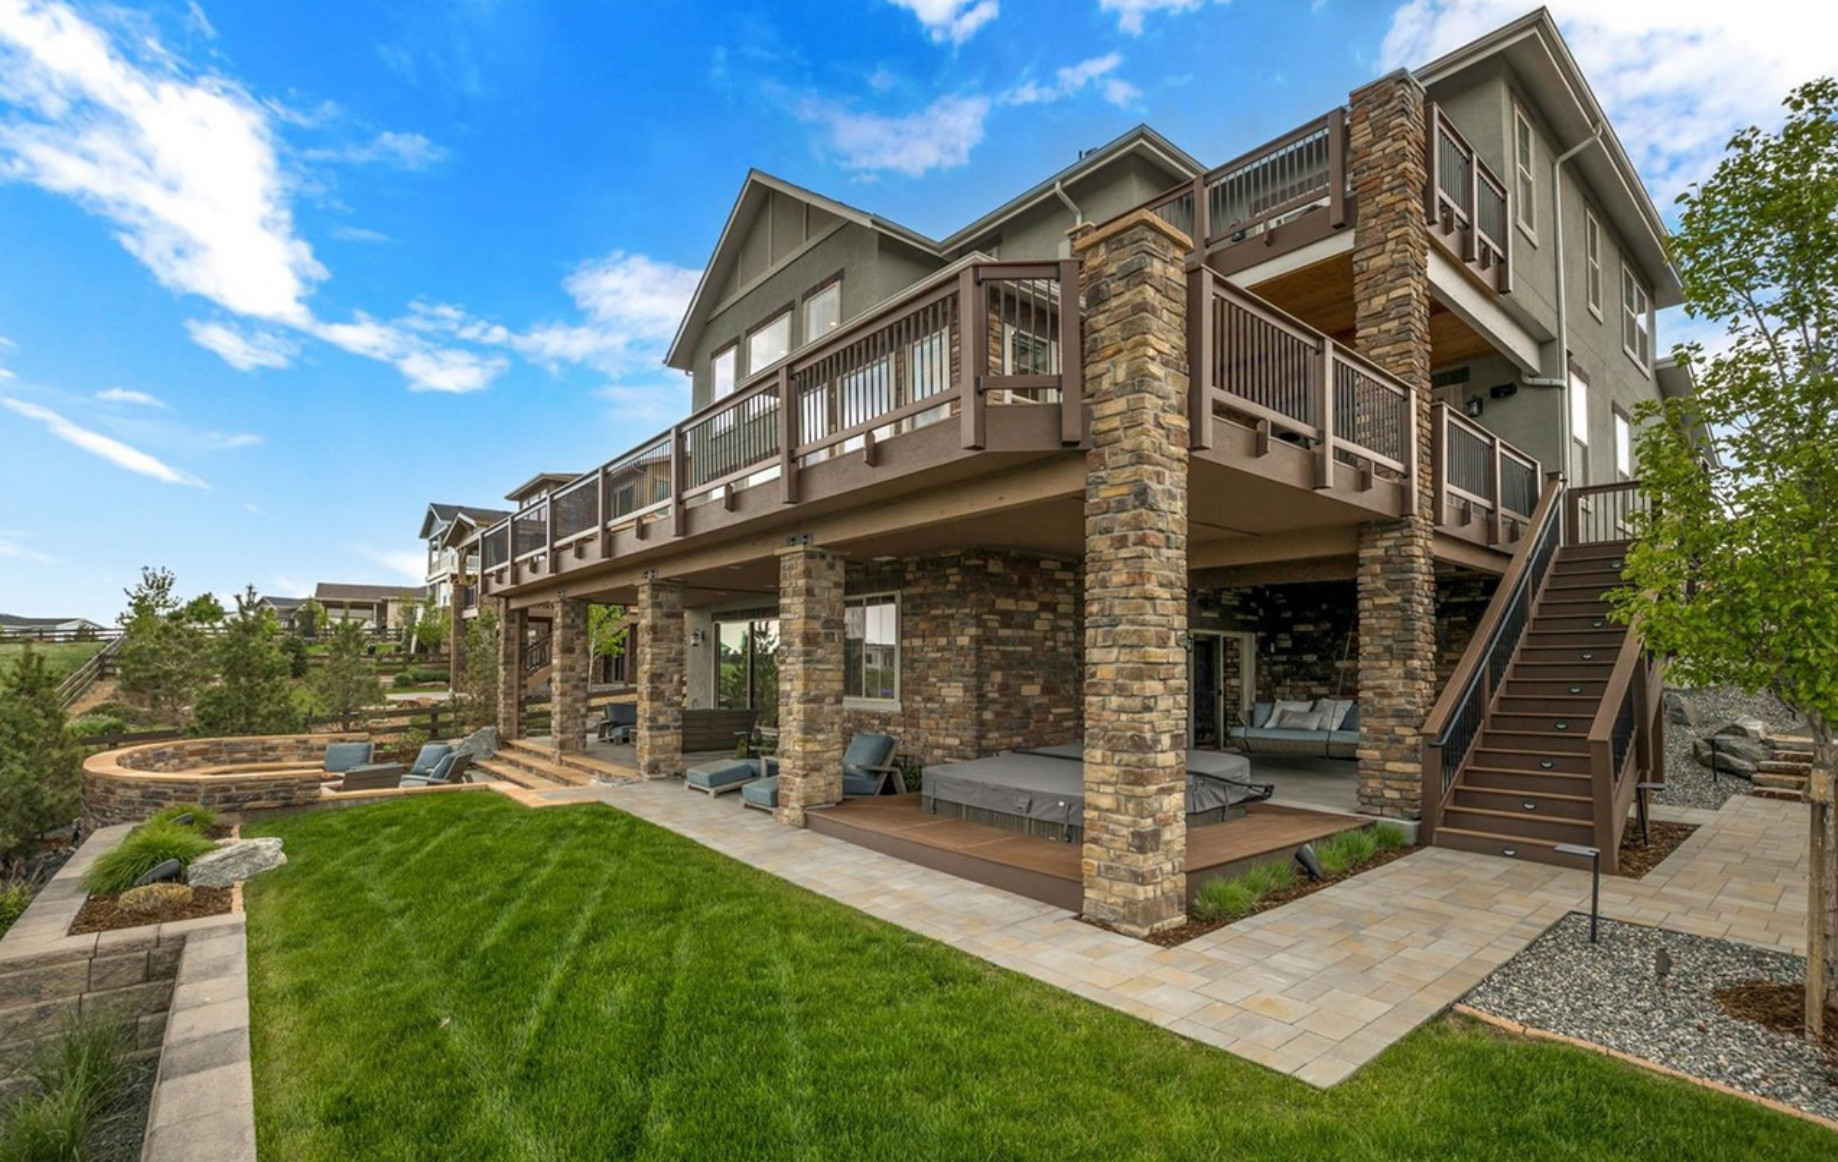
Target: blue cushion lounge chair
(429,758)
(451,769)
(761,793)
(342,756)
(867,767)
(620,723)
(721,776)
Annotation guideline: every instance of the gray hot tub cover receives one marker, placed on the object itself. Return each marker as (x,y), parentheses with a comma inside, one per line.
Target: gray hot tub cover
(1048,783)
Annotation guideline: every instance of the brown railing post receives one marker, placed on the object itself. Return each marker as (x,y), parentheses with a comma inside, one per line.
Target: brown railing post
(1496,531)
(1202,220)
(788,439)
(1431,187)
(548,533)
(1071,356)
(1572,513)
(1471,248)
(1200,358)
(679,472)
(973,357)
(1432,790)
(1602,795)
(603,511)
(1439,460)
(1337,168)
(1324,386)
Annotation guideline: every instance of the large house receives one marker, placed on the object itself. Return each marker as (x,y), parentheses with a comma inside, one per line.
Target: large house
(1149,451)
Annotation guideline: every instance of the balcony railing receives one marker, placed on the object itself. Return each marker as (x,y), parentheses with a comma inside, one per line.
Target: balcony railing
(1252,362)
(1467,204)
(976,335)
(1478,476)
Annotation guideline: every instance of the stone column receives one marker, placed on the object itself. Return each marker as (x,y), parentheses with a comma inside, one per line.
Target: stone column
(568,652)
(662,650)
(513,629)
(456,641)
(1387,141)
(810,681)
(1135,351)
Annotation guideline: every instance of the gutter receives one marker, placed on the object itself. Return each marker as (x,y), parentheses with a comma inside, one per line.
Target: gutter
(1562,378)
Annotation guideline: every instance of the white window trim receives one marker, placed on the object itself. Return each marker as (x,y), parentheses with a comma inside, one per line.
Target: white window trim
(1592,263)
(861,702)
(1643,317)
(1525,209)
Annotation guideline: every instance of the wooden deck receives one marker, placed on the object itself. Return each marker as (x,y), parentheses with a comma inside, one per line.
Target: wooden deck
(1046,869)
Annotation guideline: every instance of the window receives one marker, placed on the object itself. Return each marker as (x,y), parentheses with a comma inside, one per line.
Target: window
(724,372)
(1592,260)
(1579,429)
(1636,338)
(747,667)
(1523,190)
(769,344)
(823,310)
(1624,446)
(871,648)
(1025,353)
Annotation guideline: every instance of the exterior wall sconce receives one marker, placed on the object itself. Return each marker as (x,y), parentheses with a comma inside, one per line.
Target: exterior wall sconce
(695,638)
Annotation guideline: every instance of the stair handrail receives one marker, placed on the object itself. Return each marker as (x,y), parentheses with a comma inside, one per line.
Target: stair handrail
(1453,725)
(1631,697)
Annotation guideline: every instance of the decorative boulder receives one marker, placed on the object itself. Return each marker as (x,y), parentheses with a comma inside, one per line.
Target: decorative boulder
(236,860)
(1743,727)
(480,744)
(1732,754)
(1680,709)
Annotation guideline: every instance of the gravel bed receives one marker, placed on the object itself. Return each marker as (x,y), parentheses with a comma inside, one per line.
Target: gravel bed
(1608,994)
(1688,782)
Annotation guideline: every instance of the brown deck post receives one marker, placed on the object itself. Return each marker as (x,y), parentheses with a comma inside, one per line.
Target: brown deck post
(1396,577)
(1136,683)
(568,656)
(513,629)
(810,681)
(663,656)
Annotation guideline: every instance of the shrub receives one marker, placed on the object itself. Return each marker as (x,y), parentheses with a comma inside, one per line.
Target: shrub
(151,899)
(1224,899)
(80,1075)
(149,844)
(93,724)
(132,716)
(1235,897)
(14,896)
(202,817)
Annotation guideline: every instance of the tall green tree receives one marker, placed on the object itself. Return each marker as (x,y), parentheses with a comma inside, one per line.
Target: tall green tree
(606,633)
(1734,574)
(164,658)
(41,765)
(308,618)
(475,697)
(252,694)
(428,630)
(347,682)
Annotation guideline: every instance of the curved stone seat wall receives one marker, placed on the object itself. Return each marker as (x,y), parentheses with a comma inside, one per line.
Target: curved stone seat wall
(230,775)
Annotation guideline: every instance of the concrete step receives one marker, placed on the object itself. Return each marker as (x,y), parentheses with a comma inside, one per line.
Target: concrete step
(516,776)
(584,766)
(535,765)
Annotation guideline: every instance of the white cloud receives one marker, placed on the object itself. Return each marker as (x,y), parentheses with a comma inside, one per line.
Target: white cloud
(409,151)
(426,366)
(108,448)
(1130,13)
(243,350)
(407,563)
(199,20)
(359,234)
(186,170)
(123,395)
(952,20)
(230,440)
(1073,79)
(13,550)
(939,136)
(1677,77)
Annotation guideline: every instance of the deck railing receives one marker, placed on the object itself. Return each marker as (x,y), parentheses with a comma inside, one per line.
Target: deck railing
(1478,473)
(1254,363)
(975,335)
(1467,203)
(1602,513)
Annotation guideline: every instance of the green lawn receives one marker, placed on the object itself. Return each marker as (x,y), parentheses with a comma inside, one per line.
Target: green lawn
(60,657)
(456,977)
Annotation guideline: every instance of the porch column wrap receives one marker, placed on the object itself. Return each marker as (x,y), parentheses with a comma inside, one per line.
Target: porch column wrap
(1136,682)
(811,742)
(569,654)
(513,625)
(663,658)
(1387,140)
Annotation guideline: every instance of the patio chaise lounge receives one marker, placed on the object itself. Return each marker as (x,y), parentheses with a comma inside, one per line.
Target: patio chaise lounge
(454,768)
(724,775)
(1327,726)
(867,770)
(620,723)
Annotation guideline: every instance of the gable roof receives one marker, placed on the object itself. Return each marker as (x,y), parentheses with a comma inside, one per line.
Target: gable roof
(14,621)
(339,591)
(1541,59)
(535,484)
(439,516)
(1139,141)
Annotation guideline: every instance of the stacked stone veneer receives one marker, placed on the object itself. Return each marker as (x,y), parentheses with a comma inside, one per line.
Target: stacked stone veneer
(513,627)
(811,583)
(569,658)
(224,774)
(1396,572)
(1136,681)
(663,671)
(991,653)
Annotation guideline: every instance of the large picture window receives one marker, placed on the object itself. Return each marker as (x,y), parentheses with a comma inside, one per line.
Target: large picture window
(871,648)
(823,311)
(747,667)
(769,344)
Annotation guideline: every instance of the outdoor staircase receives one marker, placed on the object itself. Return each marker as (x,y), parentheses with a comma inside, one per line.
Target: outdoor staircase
(534,766)
(1558,721)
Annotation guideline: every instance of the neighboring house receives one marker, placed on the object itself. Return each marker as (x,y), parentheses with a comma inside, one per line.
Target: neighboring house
(60,627)
(1150,447)
(445,529)
(383,608)
(283,608)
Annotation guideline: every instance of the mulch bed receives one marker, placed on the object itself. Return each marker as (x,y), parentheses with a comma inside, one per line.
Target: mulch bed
(104,914)
(1776,1006)
(1275,899)
(1638,860)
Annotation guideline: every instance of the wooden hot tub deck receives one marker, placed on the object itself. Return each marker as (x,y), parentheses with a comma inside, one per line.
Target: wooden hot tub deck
(1046,869)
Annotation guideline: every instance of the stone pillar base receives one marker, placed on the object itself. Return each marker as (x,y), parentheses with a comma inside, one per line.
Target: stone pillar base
(662,664)
(811,744)
(568,652)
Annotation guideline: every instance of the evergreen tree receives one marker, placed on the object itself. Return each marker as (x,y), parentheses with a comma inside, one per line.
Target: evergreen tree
(251,694)
(164,657)
(41,765)
(347,682)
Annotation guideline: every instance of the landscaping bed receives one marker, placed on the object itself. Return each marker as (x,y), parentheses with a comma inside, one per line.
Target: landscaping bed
(1689,783)
(105,913)
(1697,1019)
(607,988)
(1637,858)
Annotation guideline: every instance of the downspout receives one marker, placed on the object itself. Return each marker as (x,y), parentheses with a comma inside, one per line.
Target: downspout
(1078,217)
(1562,378)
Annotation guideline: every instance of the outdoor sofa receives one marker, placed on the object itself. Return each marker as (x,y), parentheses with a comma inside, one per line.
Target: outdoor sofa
(1328,727)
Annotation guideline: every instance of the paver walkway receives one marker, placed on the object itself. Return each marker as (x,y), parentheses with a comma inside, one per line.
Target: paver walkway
(1316,988)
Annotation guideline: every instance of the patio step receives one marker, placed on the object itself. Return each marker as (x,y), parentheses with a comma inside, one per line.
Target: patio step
(504,772)
(536,766)
(579,764)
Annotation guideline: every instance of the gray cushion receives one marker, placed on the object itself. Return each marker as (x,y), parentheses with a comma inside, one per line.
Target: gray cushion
(1334,710)
(429,758)
(724,773)
(866,750)
(342,756)
(762,792)
(1298,720)
(1351,721)
(1260,713)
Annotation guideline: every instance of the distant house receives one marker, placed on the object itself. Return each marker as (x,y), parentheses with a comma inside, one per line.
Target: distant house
(12,625)
(446,528)
(284,608)
(382,607)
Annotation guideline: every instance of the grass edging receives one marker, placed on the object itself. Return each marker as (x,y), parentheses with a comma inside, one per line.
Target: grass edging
(1232,898)
(1509,1026)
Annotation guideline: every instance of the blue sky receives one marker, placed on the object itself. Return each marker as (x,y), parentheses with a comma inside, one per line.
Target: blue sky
(275,275)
